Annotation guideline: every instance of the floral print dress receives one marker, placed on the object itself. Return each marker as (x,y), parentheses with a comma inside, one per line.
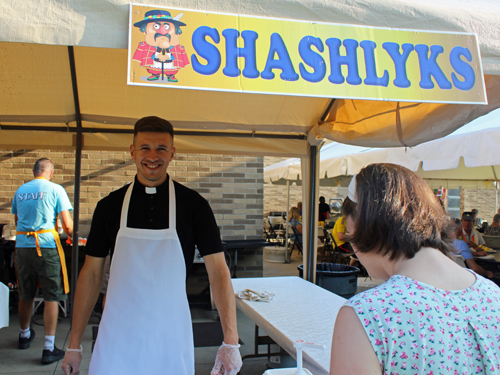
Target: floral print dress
(415,328)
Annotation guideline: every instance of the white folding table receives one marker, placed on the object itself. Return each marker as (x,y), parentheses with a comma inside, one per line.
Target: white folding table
(300,310)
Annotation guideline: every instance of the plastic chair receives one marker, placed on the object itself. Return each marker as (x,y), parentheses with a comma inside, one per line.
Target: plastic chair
(492,241)
(38,300)
(327,246)
(339,254)
(276,227)
(269,233)
(297,241)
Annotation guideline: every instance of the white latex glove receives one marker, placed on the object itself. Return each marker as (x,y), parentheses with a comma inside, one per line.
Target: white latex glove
(228,360)
(71,363)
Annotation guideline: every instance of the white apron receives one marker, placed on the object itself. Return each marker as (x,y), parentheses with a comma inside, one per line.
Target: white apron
(146,325)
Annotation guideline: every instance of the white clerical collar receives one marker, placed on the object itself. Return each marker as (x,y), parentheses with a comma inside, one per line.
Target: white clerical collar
(150,190)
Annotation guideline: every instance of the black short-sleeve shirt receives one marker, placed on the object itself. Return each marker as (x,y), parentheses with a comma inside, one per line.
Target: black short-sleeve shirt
(195,221)
(323,207)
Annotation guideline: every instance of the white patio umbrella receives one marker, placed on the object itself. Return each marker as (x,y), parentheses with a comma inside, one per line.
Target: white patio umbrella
(332,155)
(468,157)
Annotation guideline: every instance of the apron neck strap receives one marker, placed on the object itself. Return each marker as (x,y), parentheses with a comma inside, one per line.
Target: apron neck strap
(172,219)
(171,205)
(126,201)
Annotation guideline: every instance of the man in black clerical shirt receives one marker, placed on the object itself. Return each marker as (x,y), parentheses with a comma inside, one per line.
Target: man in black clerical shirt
(155,224)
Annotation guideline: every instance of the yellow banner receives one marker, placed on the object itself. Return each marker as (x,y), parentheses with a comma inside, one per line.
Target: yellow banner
(178,48)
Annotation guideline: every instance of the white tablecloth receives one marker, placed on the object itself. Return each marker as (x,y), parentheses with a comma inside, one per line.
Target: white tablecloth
(299,310)
(4,305)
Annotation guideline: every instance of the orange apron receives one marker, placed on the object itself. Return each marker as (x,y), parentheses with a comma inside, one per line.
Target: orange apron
(60,251)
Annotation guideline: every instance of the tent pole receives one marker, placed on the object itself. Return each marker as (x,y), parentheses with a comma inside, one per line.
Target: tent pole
(287,256)
(496,189)
(310,188)
(312,216)
(496,197)
(78,174)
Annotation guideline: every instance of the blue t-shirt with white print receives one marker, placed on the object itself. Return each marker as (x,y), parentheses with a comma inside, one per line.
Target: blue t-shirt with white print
(37,204)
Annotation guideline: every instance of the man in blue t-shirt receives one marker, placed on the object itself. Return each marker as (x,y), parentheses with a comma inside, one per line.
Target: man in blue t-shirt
(39,255)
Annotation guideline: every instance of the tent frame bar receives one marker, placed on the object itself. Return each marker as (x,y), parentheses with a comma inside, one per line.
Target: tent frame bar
(327,111)
(78,174)
(131,131)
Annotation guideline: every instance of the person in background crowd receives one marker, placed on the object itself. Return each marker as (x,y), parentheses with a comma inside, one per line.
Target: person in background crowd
(483,227)
(494,228)
(39,254)
(340,234)
(299,206)
(324,210)
(150,229)
(464,251)
(431,315)
(294,222)
(477,220)
(471,235)
(341,237)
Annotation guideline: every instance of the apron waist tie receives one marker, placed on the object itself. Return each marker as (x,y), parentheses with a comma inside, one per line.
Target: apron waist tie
(60,251)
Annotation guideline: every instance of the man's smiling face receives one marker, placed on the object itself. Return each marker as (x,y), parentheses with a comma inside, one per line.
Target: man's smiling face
(152,153)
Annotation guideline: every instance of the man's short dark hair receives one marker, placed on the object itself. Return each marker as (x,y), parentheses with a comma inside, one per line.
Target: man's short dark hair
(42,165)
(321,199)
(153,124)
(396,214)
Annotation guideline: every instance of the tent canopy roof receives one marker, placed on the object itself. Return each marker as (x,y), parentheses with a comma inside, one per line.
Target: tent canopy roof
(104,23)
(38,92)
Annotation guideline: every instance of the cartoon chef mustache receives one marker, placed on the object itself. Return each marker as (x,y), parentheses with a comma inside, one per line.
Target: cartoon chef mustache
(157,35)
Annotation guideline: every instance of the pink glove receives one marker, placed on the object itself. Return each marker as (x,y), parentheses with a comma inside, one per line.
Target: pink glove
(71,362)
(228,360)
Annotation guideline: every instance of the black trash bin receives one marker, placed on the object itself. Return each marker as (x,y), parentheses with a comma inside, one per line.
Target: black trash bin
(340,279)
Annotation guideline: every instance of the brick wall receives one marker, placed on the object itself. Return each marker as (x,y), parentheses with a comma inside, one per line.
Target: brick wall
(233,185)
(483,200)
(275,199)
(275,196)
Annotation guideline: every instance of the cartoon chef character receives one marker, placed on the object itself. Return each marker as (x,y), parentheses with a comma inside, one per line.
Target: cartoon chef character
(161,53)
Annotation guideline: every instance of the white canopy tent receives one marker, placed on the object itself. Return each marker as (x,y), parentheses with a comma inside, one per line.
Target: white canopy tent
(468,158)
(64,67)
(332,153)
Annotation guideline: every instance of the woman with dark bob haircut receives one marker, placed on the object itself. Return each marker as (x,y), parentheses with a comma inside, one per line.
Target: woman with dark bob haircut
(431,316)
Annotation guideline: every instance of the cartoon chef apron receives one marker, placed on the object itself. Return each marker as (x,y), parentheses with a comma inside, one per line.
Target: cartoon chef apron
(146,325)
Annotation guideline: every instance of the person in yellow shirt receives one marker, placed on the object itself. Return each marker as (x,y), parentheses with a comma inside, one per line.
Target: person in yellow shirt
(340,235)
